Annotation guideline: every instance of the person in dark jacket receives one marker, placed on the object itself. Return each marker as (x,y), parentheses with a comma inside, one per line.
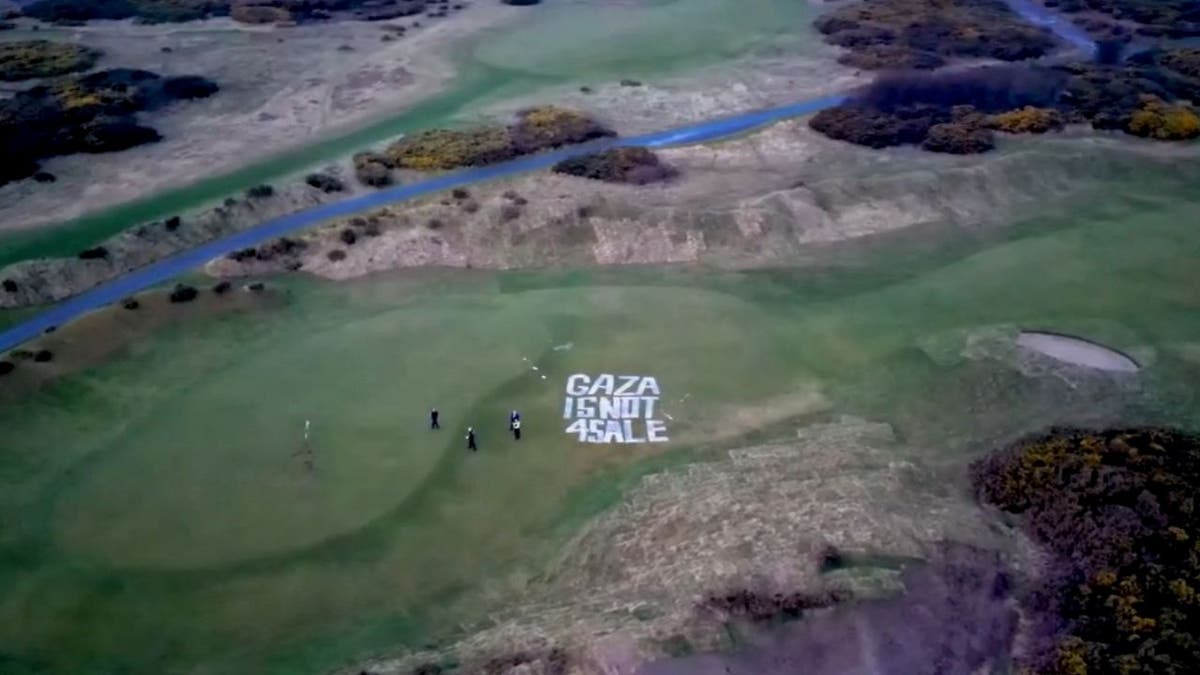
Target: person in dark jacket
(471,439)
(433,419)
(514,424)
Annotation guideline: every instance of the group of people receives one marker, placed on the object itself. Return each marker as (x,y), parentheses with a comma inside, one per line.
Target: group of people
(514,425)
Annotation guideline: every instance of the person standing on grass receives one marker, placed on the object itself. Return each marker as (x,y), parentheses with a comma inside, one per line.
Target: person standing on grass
(433,419)
(471,439)
(514,424)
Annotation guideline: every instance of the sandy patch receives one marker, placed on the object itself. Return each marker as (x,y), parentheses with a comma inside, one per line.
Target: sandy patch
(1077,351)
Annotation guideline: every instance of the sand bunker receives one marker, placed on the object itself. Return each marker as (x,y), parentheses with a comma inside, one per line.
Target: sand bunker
(1077,351)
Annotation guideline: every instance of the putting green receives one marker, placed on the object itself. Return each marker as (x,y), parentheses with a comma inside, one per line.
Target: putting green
(215,474)
(157,519)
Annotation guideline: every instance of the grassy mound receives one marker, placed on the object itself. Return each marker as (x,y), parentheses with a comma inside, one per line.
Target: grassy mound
(1117,509)
(440,149)
(534,130)
(1162,121)
(1027,120)
(28,59)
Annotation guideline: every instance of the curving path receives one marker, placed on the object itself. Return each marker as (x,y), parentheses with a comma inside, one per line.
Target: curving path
(168,268)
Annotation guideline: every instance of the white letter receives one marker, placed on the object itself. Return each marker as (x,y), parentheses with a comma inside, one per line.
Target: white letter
(657,431)
(626,384)
(630,407)
(577,384)
(585,406)
(629,436)
(595,431)
(610,408)
(648,385)
(613,432)
(568,406)
(602,385)
(578,427)
(650,400)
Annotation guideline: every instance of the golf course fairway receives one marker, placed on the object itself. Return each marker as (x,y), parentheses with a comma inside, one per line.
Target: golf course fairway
(161,514)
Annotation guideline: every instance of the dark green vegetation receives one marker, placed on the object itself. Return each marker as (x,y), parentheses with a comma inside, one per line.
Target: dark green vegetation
(535,129)
(373,169)
(183,293)
(85,113)
(249,11)
(638,166)
(153,11)
(1170,18)
(1185,62)
(28,59)
(1145,97)
(1118,511)
(325,182)
(923,34)
(759,607)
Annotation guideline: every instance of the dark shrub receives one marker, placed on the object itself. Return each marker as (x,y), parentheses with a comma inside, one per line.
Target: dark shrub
(637,166)
(130,303)
(113,134)
(460,193)
(189,87)
(770,607)
(7,367)
(222,287)
(173,223)
(43,356)
(336,254)
(348,237)
(243,254)
(183,293)
(509,212)
(95,253)
(10,286)
(373,174)
(324,182)
(1116,509)
(260,192)
(283,246)
(958,139)
(44,177)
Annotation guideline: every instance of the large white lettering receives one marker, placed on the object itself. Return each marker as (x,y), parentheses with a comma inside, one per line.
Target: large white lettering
(613,409)
(577,385)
